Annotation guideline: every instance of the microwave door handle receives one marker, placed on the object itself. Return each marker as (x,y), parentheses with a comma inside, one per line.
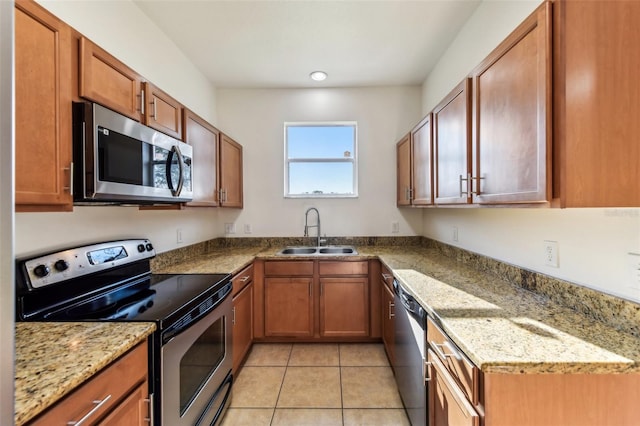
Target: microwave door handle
(178,190)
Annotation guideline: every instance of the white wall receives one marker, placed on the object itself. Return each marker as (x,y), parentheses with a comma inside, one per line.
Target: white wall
(121,28)
(593,243)
(256,118)
(7,298)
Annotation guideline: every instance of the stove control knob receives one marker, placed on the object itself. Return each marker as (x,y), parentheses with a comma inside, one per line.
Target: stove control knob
(41,271)
(61,265)
(149,247)
(140,248)
(141,309)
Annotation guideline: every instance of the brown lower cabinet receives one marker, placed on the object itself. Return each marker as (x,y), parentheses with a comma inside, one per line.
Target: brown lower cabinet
(118,395)
(242,318)
(314,300)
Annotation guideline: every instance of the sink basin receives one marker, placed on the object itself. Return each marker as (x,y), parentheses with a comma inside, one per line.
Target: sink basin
(318,251)
(298,250)
(337,250)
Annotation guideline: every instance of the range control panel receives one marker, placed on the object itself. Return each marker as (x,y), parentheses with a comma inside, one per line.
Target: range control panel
(63,265)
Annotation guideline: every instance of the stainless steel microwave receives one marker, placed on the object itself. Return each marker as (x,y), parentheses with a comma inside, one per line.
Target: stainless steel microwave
(120,161)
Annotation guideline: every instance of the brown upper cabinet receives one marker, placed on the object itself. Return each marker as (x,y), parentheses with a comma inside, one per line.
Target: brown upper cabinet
(205,140)
(403,167)
(43,94)
(414,154)
(451,146)
(597,103)
(231,194)
(162,112)
(109,82)
(511,133)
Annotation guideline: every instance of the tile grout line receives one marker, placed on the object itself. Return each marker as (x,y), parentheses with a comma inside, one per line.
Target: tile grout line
(286,367)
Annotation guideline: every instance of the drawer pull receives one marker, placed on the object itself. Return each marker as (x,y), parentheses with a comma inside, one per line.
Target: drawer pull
(98,403)
(150,402)
(386,277)
(391,306)
(439,349)
(244,279)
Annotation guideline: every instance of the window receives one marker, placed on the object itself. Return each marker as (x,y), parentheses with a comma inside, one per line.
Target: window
(320,160)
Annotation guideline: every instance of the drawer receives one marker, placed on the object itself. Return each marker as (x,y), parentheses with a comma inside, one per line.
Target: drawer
(387,277)
(344,268)
(447,402)
(288,268)
(111,385)
(241,279)
(462,370)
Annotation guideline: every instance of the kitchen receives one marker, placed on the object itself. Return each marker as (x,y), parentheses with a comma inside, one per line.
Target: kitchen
(594,244)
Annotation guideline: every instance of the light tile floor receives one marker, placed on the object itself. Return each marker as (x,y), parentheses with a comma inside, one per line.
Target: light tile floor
(316,384)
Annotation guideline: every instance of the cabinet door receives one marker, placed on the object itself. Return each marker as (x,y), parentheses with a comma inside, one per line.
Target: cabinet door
(109,82)
(421,158)
(288,307)
(242,324)
(162,112)
(43,96)
(451,143)
(230,172)
(388,322)
(403,160)
(597,90)
(344,307)
(205,139)
(512,117)
(447,404)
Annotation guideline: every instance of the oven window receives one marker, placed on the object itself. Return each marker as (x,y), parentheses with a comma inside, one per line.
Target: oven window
(200,361)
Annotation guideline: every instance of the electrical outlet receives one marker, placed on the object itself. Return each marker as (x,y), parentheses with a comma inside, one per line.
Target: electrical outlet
(247,228)
(229,228)
(395,227)
(179,236)
(551,254)
(454,234)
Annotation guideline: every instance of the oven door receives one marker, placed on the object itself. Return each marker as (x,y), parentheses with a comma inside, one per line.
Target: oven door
(196,370)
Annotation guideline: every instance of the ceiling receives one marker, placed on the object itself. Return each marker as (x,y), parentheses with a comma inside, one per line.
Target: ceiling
(277,43)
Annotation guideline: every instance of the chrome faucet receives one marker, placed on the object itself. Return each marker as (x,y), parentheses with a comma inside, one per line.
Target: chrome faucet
(317,225)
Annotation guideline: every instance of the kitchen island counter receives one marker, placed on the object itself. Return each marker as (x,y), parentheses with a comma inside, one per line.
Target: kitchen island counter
(52,359)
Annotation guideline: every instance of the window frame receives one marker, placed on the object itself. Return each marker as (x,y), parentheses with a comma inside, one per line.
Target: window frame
(353,159)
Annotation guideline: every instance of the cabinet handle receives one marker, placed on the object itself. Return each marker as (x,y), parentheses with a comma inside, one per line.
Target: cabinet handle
(233,318)
(467,184)
(150,418)
(155,109)
(386,277)
(142,101)
(426,371)
(70,187)
(391,306)
(98,403)
(439,349)
(244,279)
(477,179)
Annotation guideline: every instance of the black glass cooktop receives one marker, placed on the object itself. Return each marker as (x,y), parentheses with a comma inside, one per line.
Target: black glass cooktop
(158,298)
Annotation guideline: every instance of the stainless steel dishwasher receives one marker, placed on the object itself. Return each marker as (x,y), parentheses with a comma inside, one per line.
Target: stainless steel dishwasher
(410,354)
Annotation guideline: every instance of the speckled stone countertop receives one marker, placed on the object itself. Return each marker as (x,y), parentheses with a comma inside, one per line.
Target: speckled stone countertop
(501,327)
(52,359)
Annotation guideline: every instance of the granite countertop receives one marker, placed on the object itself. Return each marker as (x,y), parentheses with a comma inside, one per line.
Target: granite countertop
(52,359)
(501,328)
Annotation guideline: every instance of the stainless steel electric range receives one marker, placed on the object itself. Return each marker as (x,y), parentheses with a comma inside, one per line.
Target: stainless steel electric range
(190,352)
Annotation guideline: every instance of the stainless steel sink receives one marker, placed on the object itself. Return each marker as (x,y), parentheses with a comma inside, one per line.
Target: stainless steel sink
(337,250)
(298,250)
(319,251)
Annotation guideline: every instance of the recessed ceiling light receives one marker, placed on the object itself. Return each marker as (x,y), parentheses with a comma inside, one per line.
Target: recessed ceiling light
(318,75)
